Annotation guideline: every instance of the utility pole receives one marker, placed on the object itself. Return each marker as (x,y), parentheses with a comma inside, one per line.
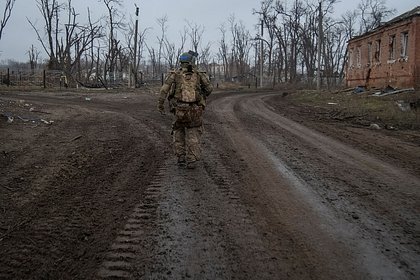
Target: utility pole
(261,54)
(318,72)
(135,47)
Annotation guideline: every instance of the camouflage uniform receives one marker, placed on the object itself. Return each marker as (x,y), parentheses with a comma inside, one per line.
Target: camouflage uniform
(187,127)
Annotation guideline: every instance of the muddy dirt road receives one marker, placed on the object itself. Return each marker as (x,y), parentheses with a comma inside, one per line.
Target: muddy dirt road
(89,189)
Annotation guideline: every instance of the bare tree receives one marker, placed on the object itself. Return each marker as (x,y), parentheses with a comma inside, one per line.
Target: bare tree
(33,54)
(67,39)
(241,46)
(141,41)
(204,58)
(348,24)
(111,53)
(91,57)
(309,35)
(172,52)
(6,15)
(49,10)
(372,13)
(195,32)
(268,17)
(224,52)
(153,61)
(161,41)
(293,35)
(233,54)
(77,40)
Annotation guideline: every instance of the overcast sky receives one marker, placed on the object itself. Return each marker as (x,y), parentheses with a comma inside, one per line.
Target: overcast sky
(19,36)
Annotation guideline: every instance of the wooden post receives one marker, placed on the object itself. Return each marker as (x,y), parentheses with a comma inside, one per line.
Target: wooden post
(318,72)
(135,66)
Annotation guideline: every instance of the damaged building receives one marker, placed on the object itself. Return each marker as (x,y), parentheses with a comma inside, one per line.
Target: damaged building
(388,55)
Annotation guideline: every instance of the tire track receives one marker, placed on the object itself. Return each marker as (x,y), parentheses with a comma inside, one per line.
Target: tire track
(73,206)
(193,224)
(281,188)
(133,240)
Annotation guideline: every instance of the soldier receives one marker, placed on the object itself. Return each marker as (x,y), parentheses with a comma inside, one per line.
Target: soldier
(186,90)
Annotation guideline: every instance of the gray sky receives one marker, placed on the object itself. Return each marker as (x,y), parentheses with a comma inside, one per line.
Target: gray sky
(19,35)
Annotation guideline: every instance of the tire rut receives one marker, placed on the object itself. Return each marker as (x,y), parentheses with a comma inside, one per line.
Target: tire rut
(131,243)
(348,241)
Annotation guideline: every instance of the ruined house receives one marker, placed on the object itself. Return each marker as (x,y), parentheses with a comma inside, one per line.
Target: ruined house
(388,55)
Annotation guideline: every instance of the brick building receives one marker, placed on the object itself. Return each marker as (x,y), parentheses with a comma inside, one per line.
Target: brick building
(387,55)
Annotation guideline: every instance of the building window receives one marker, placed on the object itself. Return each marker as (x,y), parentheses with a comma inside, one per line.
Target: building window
(358,57)
(404,44)
(378,51)
(369,53)
(391,47)
(351,57)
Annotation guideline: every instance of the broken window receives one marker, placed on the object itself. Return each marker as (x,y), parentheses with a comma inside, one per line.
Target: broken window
(378,51)
(404,44)
(358,57)
(369,53)
(351,58)
(391,47)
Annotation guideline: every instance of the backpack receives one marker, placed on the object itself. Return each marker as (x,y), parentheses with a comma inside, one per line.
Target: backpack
(187,87)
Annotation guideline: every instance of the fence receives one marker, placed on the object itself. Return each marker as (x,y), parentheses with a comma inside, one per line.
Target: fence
(56,79)
(31,78)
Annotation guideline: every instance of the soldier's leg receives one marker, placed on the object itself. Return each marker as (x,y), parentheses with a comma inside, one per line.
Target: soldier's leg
(193,144)
(179,144)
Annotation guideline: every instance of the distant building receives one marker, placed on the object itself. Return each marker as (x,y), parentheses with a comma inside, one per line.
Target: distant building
(387,55)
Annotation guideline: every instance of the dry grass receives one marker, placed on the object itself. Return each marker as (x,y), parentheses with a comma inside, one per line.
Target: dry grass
(382,110)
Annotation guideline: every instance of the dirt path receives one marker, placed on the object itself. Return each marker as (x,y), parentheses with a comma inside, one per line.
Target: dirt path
(96,194)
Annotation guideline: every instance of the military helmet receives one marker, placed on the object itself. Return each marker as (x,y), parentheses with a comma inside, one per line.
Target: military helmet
(188,57)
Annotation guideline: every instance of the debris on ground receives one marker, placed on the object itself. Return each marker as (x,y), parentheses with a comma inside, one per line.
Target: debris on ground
(33,109)
(403,105)
(8,117)
(374,126)
(389,92)
(359,90)
(76,138)
(344,90)
(46,122)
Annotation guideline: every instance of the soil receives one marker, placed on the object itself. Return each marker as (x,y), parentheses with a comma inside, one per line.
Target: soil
(90,189)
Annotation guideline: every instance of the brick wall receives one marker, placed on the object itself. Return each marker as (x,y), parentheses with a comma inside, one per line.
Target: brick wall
(399,71)
(417,52)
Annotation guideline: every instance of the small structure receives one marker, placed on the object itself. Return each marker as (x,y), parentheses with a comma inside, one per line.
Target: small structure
(388,55)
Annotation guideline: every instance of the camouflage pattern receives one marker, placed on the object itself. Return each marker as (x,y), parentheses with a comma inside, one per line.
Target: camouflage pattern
(187,108)
(187,142)
(187,115)
(171,89)
(189,91)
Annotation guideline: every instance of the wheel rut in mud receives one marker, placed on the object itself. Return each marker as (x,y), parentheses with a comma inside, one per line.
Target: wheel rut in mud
(97,194)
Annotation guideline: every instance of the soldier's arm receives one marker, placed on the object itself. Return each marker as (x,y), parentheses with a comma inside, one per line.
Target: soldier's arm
(164,90)
(206,86)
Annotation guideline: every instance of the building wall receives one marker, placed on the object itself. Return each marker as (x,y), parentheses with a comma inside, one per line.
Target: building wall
(372,69)
(416,53)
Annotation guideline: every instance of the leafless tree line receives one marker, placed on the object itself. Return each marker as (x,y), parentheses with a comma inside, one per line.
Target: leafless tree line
(99,51)
(293,34)
(102,50)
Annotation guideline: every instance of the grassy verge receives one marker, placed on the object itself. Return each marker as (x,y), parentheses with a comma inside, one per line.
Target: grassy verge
(383,111)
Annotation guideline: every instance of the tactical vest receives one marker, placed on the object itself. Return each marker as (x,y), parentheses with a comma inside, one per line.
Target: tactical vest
(187,87)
